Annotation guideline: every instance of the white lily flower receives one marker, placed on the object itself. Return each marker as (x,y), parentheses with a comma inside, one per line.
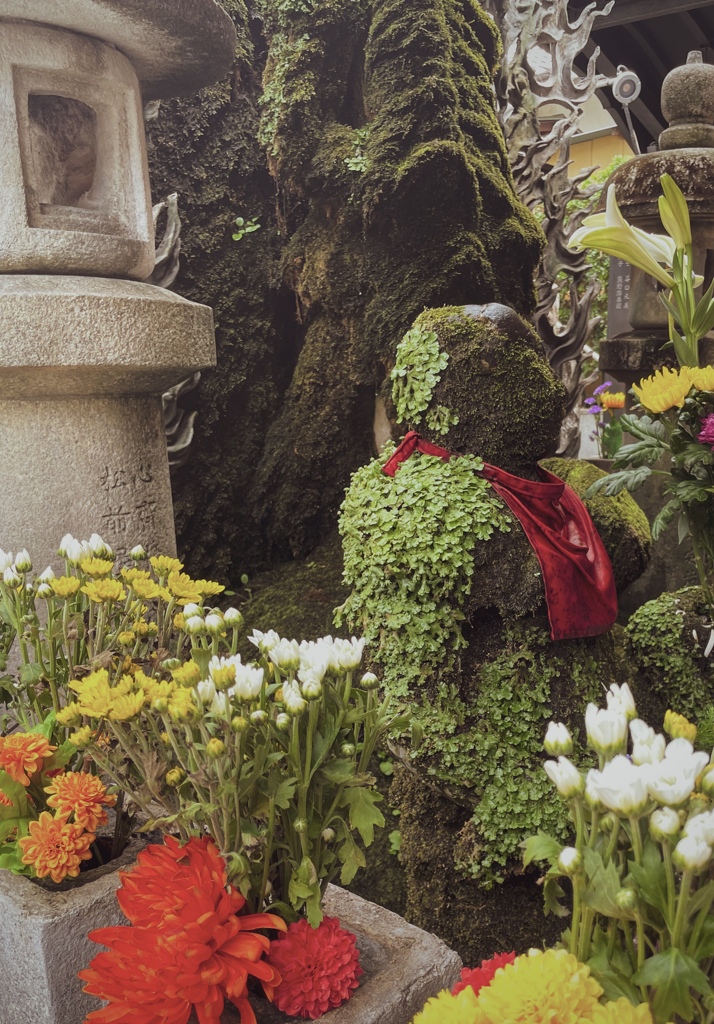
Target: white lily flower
(607,730)
(565,777)
(249,681)
(620,699)
(558,739)
(648,747)
(692,854)
(316,659)
(621,786)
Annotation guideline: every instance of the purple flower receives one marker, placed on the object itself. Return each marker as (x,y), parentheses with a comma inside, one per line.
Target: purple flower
(603,387)
(595,410)
(706,434)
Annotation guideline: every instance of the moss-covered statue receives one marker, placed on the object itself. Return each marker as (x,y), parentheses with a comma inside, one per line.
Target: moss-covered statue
(450,595)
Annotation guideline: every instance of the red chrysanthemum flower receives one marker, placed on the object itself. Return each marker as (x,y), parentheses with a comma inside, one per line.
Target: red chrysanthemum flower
(319,968)
(479,977)
(190,952)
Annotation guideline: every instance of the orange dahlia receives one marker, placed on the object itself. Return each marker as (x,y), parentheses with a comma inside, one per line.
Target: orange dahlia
(22,754)
(319,967)
(479,977)
(80,794)
(5,800)
(191,950)
(55,848)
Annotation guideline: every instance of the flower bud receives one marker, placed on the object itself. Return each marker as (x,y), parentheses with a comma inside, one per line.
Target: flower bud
(347,750)
(45,591)
(214,625)
(170,664)
(259,717)
(558,740)
(126,638)
(99,547)
(300,825)
(565,777)
(369,681)
(47,575)
(609,822)
(23,562)
(137,553)
(312,689)
(626,899)
(240,724)
(676,726)
(283,722)
(233,618)
(194,626)
(215,748)
(664,824)
(193,609)
(73,551)
(175,777)
(692,854)
(570,861)
(606,730)
(165,739)
(621,701)
(11,578)
(328,834)
(63,545)
(160,705)
(707,782)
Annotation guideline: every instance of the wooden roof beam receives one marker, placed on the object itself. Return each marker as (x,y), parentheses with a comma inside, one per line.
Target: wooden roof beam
(626,12)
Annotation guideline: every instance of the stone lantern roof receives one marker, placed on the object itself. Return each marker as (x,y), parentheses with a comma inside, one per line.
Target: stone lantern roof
(176,46)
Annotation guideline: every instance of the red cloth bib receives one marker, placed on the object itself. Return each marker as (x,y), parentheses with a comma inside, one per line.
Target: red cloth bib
(577,573)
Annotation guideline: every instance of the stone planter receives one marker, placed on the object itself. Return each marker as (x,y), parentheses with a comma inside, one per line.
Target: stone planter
(43,944)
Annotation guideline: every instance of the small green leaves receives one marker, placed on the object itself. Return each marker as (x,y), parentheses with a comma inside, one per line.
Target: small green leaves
(364,814)
(245,227)
(672,975)
(416,373)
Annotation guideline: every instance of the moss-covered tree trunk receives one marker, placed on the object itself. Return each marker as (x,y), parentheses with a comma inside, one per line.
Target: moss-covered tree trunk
(362,138)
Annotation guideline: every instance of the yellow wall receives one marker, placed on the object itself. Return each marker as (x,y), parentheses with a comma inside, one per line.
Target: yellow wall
(598,152)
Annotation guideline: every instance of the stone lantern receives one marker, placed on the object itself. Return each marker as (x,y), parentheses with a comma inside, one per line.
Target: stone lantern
(87,348)
(686,153)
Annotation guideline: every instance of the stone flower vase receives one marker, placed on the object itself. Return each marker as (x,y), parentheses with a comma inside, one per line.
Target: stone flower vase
(43,944)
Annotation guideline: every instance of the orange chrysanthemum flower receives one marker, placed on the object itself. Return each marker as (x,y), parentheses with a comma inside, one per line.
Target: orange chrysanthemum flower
(612,400)
(83,795)
(5,800)
(22,754)
(55,848)
(187,949)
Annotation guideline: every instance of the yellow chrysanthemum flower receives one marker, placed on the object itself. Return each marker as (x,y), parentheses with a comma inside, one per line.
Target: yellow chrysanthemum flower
(81,738)
(147,590)
(679,727)
(181,705)
(96,567)
(130,575)
(126,639)
(156,689)
(539,988)
(612,400)
(448,1009)
(665,389)
(183,588)
(188,675)
(622,1012)
(702,377)
(127,706)
(127,684)
(104,590)
(69,715)
(163,565)
(207,588)
(65,586)
(179,621)
(95,696)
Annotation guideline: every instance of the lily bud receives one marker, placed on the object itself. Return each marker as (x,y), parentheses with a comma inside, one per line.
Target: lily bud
(195,626)
(214,625)
(606,729)
(11,578)
(45,591)
(23,562)
(558,740)
(137,553)
(259,717)
(621,701)
(233,618)
(369,681)
(283,722)
(692,854)
(664,824)
(215,748)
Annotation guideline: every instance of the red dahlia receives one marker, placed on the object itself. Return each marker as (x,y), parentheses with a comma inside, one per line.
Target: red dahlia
(479,977)
(319,968)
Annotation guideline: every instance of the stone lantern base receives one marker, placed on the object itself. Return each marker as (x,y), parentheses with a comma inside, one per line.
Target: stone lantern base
(83,364)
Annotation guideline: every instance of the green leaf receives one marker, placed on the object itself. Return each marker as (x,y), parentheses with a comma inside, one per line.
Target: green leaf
(62,756)
(29,675)
(338,771)
(615,981)
(540,847)
(352,859)
(643,427)
(672,974)
(284,793)
(629,479)
(651,878)
(202,657)
(552,895)
(603,886)
(363,813)
(664,517)
(639,454)
(704,947)
(46,727)
(611,439)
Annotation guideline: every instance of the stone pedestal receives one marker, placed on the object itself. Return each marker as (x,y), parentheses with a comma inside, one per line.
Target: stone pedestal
(83,363)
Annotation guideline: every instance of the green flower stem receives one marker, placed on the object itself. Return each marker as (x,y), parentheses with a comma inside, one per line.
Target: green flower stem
(577,911)
(579,824)
(636,840)
(700,921)
(267,856)
(586,926)
(681,917)
(671,889)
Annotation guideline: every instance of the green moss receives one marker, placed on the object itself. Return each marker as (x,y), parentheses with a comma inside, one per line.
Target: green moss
(664,649)
(620,521)
(508,402)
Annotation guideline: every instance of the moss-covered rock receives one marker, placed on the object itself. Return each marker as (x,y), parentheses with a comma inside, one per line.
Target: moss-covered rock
(362,138)
(620,521)
(665,640)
